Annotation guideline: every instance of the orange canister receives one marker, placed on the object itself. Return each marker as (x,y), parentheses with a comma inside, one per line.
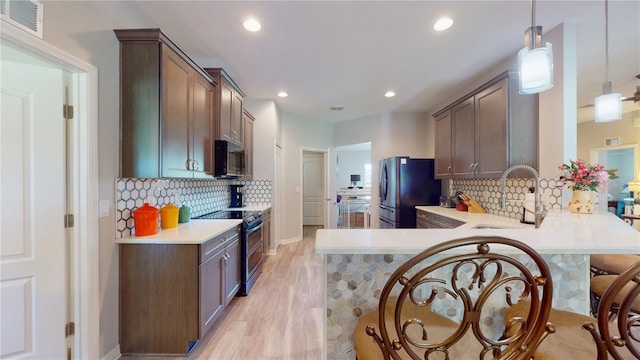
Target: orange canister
(145,220)
(169,216)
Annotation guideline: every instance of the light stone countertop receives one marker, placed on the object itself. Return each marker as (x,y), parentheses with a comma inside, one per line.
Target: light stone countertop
(561,232)
(250,207)
(193,232)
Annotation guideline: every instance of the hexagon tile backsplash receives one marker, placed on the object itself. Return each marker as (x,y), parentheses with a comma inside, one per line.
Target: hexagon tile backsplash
(201,195)
(489,194)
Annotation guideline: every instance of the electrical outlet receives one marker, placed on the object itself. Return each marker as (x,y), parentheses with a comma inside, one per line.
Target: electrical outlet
(103,208)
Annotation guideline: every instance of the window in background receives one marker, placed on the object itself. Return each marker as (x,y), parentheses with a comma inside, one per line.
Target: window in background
(367,175)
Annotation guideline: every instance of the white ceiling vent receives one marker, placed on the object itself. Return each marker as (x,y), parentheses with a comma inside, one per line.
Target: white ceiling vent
(24,14)
(612,141)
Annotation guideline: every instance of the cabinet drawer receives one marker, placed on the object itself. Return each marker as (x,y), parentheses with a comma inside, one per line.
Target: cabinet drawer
(434,221)
(442,222)
(211,247)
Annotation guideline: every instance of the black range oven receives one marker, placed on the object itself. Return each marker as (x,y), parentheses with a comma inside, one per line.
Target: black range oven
(251,247)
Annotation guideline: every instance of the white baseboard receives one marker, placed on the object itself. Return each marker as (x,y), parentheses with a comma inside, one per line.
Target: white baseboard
(114,354)
(291,240)
(272,252)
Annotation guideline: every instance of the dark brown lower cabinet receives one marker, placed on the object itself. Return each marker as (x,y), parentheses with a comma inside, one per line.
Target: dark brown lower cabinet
(427,220)
(172,294)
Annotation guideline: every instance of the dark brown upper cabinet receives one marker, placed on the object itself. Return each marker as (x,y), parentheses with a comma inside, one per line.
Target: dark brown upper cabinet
(166,109)
(486,131)
(229,118)
(248,120)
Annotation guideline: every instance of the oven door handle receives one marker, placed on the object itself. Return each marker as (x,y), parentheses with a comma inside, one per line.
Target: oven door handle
(254,229)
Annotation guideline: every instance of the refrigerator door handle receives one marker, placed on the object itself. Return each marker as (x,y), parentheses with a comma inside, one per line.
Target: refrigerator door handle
(384,179)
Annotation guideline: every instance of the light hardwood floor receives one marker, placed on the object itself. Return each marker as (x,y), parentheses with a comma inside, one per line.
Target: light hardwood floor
(282,316)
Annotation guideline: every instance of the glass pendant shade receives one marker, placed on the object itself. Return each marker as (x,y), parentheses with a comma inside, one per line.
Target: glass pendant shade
(536,69)
(608,107)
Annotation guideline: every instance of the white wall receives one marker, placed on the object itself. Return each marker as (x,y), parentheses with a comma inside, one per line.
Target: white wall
(558,105)
(266,130)
(298,133)
(85,29)
(390,134)
(351,162)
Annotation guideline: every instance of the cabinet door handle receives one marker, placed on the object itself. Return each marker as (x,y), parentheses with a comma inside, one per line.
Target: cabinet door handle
(188,164)
(195,166)
(471,167)
(449,170)
(475,168)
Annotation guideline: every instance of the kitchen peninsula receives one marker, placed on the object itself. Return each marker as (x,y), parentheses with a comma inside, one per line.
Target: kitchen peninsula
(359,261)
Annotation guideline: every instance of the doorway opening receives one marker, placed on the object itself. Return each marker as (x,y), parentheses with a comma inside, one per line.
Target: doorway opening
(80,306)
(353,186)
(624,158)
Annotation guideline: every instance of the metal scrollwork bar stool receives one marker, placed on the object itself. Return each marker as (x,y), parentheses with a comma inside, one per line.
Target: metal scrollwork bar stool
(440,303)
(615,338)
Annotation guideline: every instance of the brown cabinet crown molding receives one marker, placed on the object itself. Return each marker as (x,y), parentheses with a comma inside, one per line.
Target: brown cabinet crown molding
(508,73)
(217,71)
(150,35)
(489,129)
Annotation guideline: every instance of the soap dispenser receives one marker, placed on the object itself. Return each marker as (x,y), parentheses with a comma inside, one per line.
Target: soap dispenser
(529,207)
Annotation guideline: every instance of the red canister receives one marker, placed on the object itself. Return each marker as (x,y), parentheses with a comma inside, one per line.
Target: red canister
(145,220)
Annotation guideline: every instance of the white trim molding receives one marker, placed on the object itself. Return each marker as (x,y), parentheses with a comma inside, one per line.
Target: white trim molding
(85,258)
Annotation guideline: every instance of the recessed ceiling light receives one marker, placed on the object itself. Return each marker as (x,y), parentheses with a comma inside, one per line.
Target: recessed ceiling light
(282,94)
(389,94)
(252,25)
(443,24)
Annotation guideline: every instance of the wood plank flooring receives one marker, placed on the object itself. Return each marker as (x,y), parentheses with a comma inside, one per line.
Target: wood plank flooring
(282,316)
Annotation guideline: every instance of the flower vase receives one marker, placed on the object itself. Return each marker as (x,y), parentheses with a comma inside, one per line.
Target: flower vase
(582,202)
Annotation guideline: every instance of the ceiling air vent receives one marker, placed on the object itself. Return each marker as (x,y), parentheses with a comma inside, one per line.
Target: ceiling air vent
(24,14)
(612,141)
(337,108)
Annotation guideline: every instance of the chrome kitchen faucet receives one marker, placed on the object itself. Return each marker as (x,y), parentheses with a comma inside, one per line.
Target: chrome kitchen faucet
(539,213)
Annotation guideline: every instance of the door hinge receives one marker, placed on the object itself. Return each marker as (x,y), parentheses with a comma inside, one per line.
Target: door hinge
(68,220)
(69,329)
(67,111)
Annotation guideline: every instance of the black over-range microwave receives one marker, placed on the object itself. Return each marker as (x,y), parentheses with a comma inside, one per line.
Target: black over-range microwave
(229,160)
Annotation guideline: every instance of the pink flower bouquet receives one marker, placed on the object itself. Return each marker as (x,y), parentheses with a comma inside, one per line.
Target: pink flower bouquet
(578,175)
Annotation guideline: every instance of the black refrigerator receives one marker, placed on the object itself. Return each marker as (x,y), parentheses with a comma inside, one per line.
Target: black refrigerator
(404,184)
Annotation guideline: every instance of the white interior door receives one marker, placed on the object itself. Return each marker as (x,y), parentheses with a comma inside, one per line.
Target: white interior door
(313,190)
(32,198)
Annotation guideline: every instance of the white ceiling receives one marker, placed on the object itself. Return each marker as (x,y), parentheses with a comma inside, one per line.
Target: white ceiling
(349,53)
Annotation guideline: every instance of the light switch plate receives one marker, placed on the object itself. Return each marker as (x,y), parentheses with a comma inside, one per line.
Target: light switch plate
(103,208)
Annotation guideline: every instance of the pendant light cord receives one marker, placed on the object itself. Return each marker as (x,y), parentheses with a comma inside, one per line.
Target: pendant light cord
(532,31)
(533,13)
(606,39)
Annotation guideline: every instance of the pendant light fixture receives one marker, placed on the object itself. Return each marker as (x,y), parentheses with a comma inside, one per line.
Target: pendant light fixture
(535,62)
(608,106)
